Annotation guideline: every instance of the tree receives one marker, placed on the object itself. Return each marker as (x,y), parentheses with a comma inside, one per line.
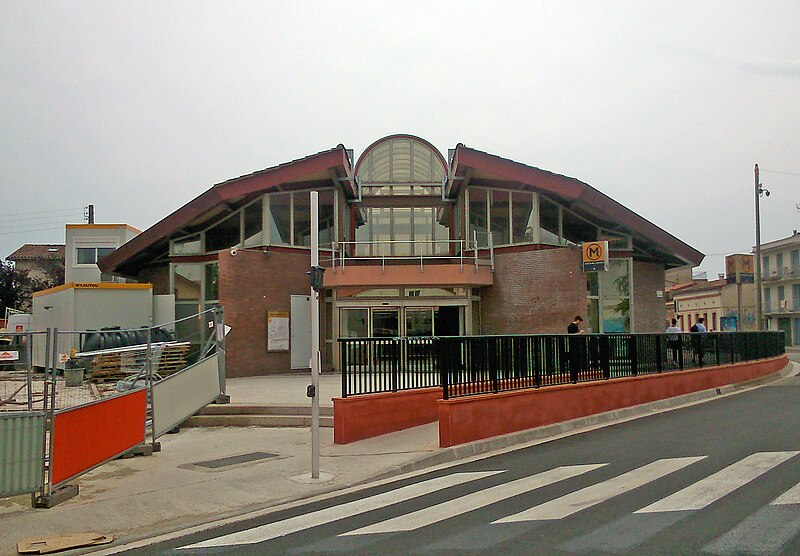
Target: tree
(16,287)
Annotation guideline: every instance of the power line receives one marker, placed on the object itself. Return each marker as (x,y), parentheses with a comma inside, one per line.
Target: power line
(4,219)
(72,209)
(779,172)
(30,231)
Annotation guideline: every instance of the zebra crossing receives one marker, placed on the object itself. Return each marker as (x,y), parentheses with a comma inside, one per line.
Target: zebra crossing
(535,506)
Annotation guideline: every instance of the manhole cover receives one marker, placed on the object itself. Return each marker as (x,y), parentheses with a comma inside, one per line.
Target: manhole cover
(234,460)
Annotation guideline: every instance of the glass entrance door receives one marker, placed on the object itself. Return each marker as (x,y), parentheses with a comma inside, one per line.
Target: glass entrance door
(385,323)
(419,321)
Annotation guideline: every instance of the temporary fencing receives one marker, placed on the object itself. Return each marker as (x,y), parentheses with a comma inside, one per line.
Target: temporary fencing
(113,398)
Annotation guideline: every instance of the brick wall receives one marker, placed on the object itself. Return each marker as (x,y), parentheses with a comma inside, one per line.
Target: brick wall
(649,311)
(536,291)
(158,276)
(250,284)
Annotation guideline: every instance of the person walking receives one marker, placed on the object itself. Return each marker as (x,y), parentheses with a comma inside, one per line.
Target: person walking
(674,340)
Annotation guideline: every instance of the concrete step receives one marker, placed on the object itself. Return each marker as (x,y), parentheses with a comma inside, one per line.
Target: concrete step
(255,420)
(263,409)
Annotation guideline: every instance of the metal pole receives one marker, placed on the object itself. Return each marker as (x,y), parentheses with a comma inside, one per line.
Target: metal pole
(53,388)
(759,316)
(315,354)
(29,357)
(148,365)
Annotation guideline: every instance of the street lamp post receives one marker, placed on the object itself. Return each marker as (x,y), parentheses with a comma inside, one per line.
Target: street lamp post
(759,191)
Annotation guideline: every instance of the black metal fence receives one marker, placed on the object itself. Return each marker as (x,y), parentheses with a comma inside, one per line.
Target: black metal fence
(469,365)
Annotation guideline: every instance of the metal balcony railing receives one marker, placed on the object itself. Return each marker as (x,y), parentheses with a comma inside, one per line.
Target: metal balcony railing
(436,250)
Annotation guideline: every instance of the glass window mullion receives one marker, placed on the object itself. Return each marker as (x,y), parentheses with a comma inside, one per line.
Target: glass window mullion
(265,227)
(291,218)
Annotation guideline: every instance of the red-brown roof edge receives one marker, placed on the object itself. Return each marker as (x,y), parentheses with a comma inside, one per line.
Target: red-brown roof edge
(582,194)
(219,193)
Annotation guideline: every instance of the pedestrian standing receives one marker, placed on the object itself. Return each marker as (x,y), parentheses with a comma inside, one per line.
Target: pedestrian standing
(575,350)
(674,339)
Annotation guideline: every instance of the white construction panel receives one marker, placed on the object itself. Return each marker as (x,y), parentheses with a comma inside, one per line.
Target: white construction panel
(183,394)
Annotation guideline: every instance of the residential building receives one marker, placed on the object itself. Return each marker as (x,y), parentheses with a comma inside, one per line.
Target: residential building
(780,283)
(88,243)
(414,244)
(41,261)
(724,306)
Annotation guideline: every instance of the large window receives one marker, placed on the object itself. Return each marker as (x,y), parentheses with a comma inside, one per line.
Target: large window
(615,296)
(515,217)
(523,218)
(280,219)
(549,218)
(254,224)
(90,255)
(478,199)
(576,230)
(401,232)
(500,216)
(609,298)
(224,235)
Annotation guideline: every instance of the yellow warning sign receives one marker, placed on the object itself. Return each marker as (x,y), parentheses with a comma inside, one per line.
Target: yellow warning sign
(595,256)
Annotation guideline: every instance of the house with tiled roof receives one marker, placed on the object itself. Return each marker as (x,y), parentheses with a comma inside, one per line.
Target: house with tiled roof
(42,261)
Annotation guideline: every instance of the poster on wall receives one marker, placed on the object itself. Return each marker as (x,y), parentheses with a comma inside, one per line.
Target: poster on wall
(277,330)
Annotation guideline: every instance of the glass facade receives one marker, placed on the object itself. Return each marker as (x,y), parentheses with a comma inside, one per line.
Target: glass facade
(609,298)
(286,216)
(515,217)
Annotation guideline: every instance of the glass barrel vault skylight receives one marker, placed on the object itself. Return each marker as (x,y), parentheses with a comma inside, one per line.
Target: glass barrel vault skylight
(401,166)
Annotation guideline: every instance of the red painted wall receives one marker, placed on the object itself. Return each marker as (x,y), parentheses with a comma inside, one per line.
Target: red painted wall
(467,419)
(88,435)
(359,417)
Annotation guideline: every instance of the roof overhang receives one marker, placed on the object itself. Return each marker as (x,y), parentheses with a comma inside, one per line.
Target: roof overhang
(470,166)
(330,168)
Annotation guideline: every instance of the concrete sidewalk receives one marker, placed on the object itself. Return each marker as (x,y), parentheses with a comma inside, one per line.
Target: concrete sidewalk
(144,496)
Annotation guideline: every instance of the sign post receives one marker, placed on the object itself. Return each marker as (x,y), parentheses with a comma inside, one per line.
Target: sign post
(595,256)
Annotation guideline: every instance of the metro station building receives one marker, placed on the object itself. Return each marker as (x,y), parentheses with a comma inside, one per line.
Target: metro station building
(414,244)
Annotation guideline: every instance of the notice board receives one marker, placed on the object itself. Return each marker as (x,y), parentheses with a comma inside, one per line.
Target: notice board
(277,330)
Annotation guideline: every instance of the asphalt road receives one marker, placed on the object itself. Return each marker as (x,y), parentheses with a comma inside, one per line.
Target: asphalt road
(715,478)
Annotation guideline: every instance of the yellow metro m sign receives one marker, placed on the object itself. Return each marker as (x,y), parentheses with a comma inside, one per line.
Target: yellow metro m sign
(595,256)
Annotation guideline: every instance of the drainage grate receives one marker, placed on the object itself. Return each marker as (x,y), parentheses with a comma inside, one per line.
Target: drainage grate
(234,460)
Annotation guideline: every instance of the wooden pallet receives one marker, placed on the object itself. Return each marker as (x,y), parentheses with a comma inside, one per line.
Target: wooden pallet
(110,367)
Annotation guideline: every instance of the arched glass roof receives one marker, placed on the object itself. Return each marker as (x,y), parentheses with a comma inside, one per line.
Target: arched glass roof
(401,165)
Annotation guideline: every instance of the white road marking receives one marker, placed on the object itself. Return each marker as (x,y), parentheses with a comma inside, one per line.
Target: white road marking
(320,517)
(596,494)
(723,482)
(791,496)
(470,502)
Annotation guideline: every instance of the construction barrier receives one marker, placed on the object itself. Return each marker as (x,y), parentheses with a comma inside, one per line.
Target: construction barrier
(54,429)
(21,449)
(89,435)
(183,394)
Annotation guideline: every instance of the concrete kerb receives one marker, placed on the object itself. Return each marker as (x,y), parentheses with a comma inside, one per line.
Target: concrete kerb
(548,433)
(463,454)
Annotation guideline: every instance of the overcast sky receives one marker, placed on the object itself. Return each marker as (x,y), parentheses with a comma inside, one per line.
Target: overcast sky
(138,107)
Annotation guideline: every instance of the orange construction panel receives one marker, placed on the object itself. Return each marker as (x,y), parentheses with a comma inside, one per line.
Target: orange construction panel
(89,435)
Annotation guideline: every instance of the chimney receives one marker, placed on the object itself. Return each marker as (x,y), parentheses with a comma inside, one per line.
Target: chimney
(91,214)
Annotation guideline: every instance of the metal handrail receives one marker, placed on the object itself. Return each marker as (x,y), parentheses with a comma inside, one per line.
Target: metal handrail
(342,248)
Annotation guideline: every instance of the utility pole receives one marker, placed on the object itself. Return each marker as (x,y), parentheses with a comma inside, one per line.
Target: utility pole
(759,191)
(759,323)
(316,279)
